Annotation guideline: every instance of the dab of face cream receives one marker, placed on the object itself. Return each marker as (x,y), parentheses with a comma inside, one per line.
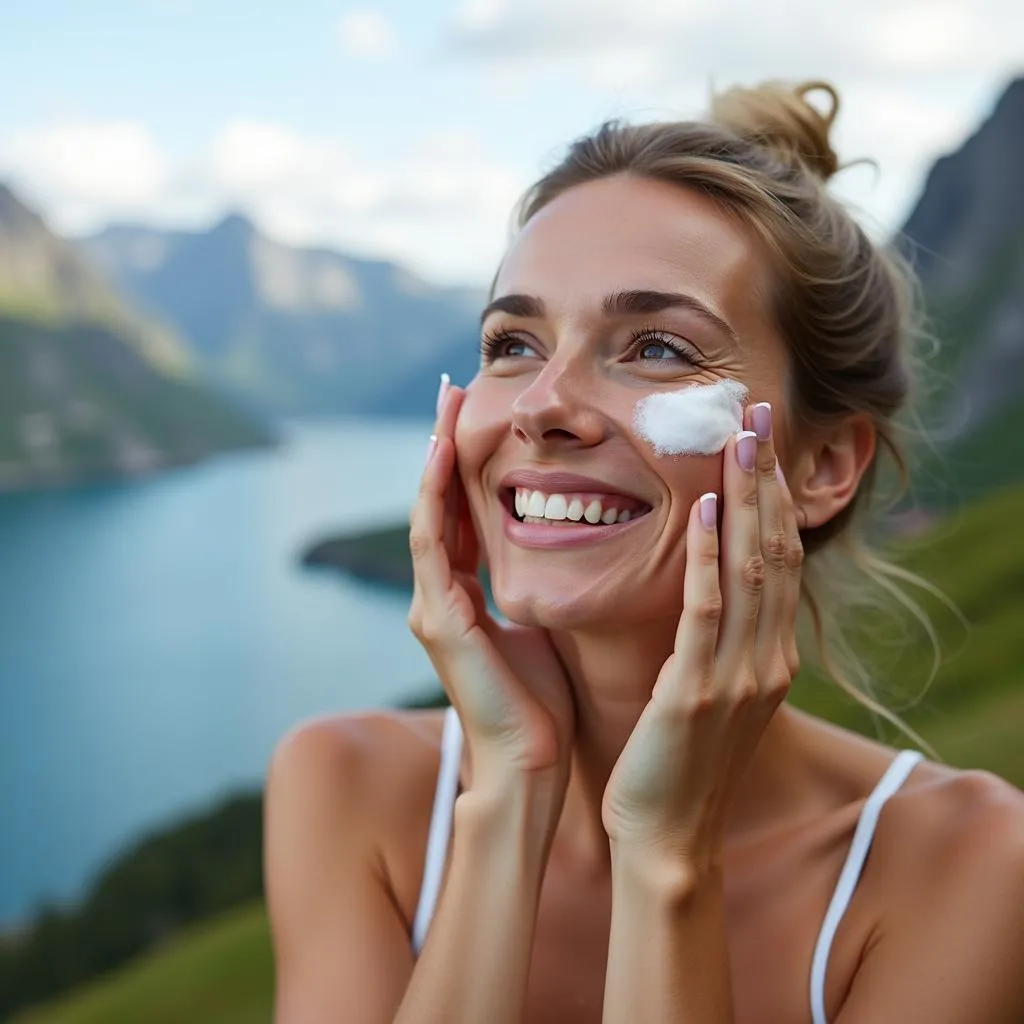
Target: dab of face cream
(696,420)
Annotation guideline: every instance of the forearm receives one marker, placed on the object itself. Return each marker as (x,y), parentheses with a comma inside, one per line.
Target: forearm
(475,961)
(668,961)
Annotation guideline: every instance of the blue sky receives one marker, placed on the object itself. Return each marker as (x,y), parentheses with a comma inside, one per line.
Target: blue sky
(407,129)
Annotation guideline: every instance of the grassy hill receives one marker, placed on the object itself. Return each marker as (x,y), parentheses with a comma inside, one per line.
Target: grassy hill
(219,972)
(972,713)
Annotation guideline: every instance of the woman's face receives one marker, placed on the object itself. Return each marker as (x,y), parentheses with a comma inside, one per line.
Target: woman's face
(552,407)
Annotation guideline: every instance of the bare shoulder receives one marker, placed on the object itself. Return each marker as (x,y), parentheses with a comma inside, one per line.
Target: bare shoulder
(957,828)
(354,785)
(945,879)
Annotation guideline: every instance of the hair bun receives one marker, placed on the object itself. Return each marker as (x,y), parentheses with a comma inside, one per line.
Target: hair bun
(778,115)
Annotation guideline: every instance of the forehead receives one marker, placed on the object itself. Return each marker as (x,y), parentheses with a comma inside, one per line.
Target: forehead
(626,232)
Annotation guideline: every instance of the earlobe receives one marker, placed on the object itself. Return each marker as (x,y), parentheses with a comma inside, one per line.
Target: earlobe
(832,470)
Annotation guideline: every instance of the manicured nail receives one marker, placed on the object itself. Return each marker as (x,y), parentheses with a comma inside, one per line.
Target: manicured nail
(746,449)
(442,390)
(709,510)
(431,445)
(761,417)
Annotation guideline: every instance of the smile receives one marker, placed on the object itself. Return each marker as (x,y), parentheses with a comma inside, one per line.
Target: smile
(535,518)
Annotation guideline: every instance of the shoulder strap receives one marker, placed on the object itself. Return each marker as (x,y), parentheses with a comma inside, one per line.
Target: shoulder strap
(440,827)
(894,777)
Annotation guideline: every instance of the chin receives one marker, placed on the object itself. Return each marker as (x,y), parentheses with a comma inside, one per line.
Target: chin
(555,607)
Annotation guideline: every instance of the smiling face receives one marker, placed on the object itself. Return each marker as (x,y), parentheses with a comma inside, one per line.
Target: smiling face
(618,289)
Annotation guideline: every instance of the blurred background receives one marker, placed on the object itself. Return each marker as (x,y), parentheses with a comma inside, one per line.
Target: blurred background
(238,244)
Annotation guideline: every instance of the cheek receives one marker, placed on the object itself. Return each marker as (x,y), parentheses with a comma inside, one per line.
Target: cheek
(483,423)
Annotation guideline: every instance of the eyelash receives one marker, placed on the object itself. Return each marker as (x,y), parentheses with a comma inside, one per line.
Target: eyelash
(491,344)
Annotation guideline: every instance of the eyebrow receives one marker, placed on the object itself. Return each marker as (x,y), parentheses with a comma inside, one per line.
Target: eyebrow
(628,303)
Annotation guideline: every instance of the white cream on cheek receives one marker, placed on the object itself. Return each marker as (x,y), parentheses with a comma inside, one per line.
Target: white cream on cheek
(696,420)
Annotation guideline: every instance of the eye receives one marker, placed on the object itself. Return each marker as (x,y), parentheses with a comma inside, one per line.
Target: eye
(502,344)
(655,346)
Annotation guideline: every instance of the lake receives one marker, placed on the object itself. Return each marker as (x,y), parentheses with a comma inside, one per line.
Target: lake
(157,638)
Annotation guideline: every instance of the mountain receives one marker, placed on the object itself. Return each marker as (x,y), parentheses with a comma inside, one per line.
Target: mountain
(965,236)
(297,331)
(89,388)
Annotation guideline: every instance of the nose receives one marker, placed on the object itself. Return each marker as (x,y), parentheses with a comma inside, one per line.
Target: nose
(557,409)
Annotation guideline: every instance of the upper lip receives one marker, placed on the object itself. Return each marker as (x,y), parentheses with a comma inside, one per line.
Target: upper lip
(564,483)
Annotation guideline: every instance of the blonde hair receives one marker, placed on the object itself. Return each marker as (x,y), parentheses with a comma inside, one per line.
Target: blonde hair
(848,309)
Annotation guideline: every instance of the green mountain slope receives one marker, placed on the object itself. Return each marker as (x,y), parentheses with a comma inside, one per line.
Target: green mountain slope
(88,388)
(220,972)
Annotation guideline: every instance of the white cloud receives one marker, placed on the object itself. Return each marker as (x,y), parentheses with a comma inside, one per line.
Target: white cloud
(441,206)
(367,33)
(672,42)
(114,163)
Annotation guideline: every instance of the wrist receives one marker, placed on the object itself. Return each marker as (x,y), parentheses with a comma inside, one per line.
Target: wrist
(511,808)
(668,873)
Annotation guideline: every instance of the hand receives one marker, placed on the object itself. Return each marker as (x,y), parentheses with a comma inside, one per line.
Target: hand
(734,658)
(506,682)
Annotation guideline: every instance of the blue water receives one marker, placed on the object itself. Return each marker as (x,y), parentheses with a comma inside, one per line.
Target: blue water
(158,637)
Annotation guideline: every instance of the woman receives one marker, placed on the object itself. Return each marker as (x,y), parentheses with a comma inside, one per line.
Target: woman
(692,359)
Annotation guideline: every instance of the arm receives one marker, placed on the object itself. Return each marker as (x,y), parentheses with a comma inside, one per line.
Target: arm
(342,948)
(667,959)
(476,959)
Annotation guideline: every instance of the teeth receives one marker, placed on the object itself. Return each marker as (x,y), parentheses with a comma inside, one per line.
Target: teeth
(556,507)
(536,505)
(559,507)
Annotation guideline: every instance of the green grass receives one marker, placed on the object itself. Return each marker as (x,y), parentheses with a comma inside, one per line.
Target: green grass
(218,973)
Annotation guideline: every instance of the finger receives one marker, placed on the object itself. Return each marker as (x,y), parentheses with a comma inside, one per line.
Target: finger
(794,571)
(430,526)
(430,562)
(772,538)
(742,561)
(697,633)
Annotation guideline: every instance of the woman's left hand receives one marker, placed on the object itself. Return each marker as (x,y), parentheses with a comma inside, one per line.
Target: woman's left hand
(734,658)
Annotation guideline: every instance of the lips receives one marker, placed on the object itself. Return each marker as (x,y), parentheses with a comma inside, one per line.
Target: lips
(565,483)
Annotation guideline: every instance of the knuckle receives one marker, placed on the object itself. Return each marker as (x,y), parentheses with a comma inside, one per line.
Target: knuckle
(752,573)
(776,548)
(700,700)
(419,543)
(745,690)
(749,497)
(708,612)
(792,662)
(794,555)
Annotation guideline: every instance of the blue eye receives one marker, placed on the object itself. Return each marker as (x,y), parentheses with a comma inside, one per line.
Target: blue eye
(657,350)
(504,345)
(653,346)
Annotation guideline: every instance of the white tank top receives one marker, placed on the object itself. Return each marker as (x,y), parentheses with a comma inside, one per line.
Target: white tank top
(441,825)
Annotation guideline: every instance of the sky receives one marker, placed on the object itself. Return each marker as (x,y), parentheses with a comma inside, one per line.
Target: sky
(407,129)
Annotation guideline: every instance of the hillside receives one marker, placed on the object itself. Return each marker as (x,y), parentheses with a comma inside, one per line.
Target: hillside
(90,389)
(295,331)
(965,236)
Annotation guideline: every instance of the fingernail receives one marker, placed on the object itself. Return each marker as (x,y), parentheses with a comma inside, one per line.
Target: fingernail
(709,510)
(431,445)
(746,449)
(778,473)
(442,390)
(761,417)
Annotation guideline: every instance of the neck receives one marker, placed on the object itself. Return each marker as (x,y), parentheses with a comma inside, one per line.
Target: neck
(612,676)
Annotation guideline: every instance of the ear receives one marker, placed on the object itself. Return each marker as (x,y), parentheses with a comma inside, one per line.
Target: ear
(829,472)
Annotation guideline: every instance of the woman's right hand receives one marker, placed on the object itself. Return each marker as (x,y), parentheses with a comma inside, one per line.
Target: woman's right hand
(506,682)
